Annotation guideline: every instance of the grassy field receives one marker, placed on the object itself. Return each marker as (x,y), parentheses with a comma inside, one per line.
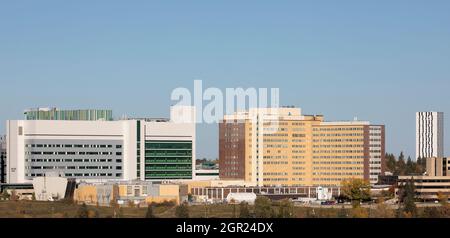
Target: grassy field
(35,209)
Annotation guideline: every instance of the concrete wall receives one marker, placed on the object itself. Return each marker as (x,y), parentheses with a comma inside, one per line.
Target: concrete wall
(46,188)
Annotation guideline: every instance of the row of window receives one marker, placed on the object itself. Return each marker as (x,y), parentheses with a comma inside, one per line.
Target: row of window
(338,129)
(73,160)
(72,146)
(78,175)
(71,153)
(339,135)
(338,162)
(72,167)
(338,168)
(338,157)
(334,174)
(337,151)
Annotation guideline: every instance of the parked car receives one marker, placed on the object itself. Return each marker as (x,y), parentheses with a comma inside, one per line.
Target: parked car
(328,203)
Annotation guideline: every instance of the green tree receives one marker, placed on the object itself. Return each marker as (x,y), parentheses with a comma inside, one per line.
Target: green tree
(408,198)
(182,211)
(357,190)
(149,213)
(263,207)
(401,165)
(6,195)
(390,163)
(83,211)
(421,165)
(244,211)
(410,167)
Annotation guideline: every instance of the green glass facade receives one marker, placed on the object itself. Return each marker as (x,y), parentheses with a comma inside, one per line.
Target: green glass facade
(168,159)
(74,115)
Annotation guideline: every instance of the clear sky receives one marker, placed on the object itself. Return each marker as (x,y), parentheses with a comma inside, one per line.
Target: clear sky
(378,60)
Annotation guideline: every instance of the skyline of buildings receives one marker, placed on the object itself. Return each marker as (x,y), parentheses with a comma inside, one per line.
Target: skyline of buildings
(429,134)
(261,146)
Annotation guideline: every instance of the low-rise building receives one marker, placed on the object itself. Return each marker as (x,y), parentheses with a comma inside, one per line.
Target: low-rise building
(427,187)
(220,193)
(124,192)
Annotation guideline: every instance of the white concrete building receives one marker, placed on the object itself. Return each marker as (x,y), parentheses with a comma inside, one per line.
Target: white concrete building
(429,134)
(145,149)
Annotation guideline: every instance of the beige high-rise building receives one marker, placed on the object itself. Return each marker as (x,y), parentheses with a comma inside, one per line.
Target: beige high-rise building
(282,147)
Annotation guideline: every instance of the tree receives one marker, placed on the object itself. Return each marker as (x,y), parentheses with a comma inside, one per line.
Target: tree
(401,165)
(83,211)
(263,207)
(182,211)
(410,166)
(356,190)
(421,165)
(390,163)
(6,195)
(244,211)
(286,209)
(407,198)
(149,213)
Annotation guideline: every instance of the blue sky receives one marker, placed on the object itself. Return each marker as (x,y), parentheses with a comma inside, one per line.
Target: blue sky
(378,60)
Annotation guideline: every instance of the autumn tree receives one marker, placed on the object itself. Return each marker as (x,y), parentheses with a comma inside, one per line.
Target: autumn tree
(356,190)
